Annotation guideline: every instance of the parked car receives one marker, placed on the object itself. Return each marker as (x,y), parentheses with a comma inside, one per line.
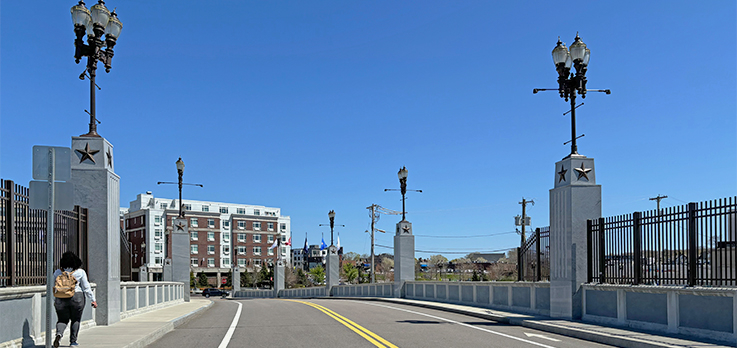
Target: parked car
(214,292)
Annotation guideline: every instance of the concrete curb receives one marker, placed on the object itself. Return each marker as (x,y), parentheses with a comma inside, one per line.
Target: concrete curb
(170,326)
(533,322)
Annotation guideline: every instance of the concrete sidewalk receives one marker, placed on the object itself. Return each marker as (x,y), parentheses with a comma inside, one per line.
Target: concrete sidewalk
(619,337)
(142,329)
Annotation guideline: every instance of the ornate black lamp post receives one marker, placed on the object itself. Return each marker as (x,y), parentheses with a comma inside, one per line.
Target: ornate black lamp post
(568,83)
(180,173)
(331,215)
(402,174)
(95,23)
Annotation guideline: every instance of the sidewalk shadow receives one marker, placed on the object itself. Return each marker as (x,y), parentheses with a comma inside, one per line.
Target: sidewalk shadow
(27,341)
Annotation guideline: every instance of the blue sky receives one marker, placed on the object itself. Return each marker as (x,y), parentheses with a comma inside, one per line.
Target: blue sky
(315,105)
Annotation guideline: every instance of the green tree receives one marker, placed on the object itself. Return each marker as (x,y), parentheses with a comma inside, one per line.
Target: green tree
(203,280)
(229,279)
(301,277)
(246,279)
(475,276)
(318,274)
(351,256)
(192,280)
(350,271)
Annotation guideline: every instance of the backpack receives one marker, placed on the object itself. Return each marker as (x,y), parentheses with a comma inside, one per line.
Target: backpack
(64,285)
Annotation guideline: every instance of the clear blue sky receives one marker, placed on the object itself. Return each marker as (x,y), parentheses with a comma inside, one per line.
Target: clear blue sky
(315,105)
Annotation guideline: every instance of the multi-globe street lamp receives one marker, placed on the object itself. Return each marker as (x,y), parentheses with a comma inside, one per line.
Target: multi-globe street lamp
(95,23)
(569,83)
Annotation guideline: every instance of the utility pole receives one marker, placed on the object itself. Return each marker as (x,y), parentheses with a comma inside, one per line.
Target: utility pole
(375,212)
(523,221)
(658,198)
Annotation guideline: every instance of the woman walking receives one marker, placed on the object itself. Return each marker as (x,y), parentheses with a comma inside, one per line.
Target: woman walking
(70,309)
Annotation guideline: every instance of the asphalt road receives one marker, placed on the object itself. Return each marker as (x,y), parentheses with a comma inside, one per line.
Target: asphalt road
(349,323)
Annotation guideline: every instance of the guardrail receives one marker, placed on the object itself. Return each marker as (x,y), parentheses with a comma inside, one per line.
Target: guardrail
(141,297)
(363,290)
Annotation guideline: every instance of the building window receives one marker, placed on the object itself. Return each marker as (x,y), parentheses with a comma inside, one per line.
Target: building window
(193,235)
(270,226)
(242,237)
(193,222)
(210,262)
(257,250)
(226,249)
(242,263)
(257,262)
(226,237)
(210,236)
(158,233)
(193,249)
(241,225)
(226,224)
(187,207)
(283,250)
(271,252)
(226,262)
(257,238)
(223,210)
(241,211)
(211,223)
(270,239)
(158,247)
(163,205)
(193,262)
(158,260)
(205,208)
(257,226)
(241,250)
(157,219)
(284,239)
(211,249)
(283,227)
(256,212)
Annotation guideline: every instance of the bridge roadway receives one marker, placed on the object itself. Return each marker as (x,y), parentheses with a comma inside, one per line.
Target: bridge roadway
(348,323)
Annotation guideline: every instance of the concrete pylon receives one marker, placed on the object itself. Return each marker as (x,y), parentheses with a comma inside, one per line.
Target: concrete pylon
(332,268)
(278,277)
(97,188)
(575,198)
(404,256)
(180,254)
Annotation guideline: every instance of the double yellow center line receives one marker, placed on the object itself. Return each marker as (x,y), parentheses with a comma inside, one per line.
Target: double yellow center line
(363,332)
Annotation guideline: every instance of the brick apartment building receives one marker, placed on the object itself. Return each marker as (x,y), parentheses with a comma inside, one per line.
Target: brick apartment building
(221,234)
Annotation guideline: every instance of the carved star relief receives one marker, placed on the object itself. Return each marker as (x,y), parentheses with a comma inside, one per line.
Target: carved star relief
(406,229)
(583,172)
(109,159)
(87,153)
(179,226)
(562,174)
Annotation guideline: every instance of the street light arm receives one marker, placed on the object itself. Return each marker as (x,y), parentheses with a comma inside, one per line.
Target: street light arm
(176,183)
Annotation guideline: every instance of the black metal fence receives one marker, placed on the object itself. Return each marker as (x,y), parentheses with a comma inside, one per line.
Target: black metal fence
(692,244)
(23,236)
(533,262)
(126,265)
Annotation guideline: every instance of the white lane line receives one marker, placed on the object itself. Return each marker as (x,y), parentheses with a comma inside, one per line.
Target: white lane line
(541,336)
(231,329)
(463,324)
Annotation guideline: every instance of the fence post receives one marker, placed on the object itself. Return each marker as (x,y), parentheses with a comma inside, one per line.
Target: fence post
(602,256)
(637,245)
(10,232)
(692,244)
(519,264)
(538,269)
(589,253)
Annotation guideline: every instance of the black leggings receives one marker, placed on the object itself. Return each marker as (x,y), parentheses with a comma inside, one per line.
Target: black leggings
(69,309)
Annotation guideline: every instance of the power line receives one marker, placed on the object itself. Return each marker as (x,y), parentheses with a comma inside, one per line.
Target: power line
(470,236)
(452,252)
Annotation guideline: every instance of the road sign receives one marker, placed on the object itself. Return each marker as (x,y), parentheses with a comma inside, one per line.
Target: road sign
(38,196)
(62,163)
(224,280)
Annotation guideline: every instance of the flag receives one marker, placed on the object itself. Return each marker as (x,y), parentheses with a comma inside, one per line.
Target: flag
(289,242)
(323,245)
(338,246)
(274,245)
(306,249)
